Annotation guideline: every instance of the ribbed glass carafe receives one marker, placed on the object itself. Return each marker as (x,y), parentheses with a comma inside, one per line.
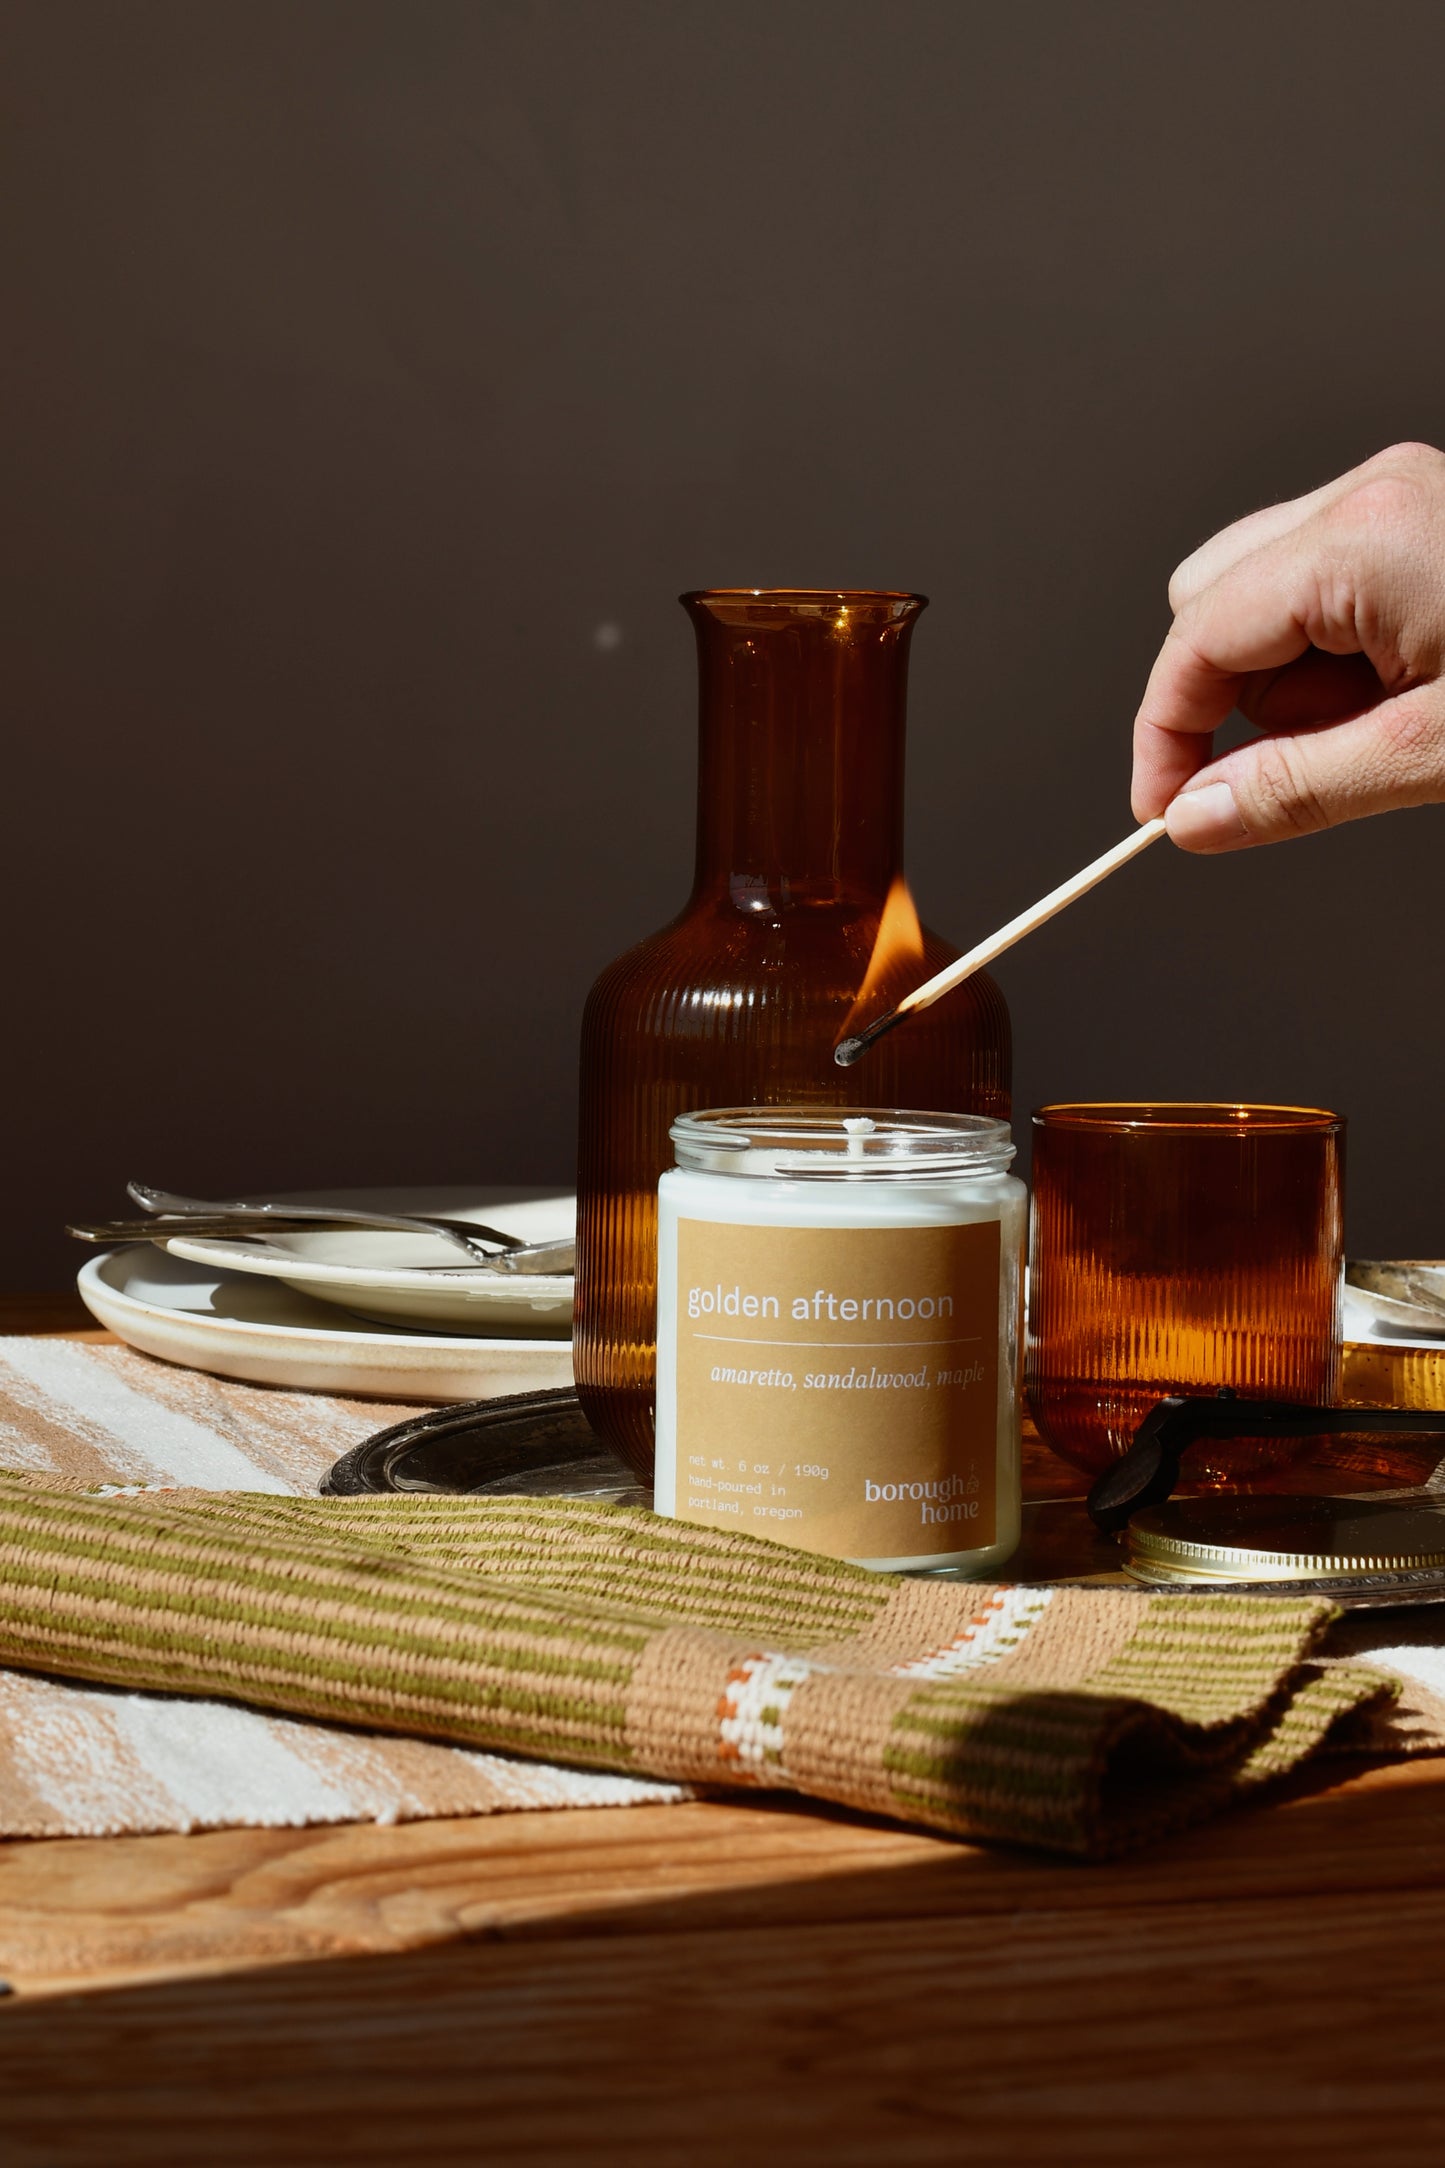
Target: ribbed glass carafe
(1177,1249)
(741,1000)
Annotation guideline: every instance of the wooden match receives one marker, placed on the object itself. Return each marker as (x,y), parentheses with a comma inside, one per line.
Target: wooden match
(1058,899)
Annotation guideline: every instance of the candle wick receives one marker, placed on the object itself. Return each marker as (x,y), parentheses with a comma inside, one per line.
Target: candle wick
(858,1127)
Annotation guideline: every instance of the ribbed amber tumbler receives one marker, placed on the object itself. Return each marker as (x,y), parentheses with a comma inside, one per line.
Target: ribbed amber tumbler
(1175,1249)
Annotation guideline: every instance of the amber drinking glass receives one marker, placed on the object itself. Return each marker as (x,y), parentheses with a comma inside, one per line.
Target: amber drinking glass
(1176,1249)
(741,1000)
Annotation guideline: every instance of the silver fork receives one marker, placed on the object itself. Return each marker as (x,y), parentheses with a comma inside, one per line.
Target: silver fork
(470,1236)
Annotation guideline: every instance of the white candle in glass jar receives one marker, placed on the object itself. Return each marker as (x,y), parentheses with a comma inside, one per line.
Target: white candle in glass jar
(838,1333)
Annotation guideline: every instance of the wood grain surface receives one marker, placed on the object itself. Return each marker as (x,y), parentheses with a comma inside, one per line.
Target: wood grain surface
(679,1984)
(697,1983)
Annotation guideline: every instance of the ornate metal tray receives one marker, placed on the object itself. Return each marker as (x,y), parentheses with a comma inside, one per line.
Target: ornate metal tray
(537,1445)
(540,1445)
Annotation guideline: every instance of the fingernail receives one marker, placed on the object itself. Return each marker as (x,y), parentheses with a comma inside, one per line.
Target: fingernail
(1204,819)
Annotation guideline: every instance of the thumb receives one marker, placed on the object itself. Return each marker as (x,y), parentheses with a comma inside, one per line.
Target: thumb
(1296,784)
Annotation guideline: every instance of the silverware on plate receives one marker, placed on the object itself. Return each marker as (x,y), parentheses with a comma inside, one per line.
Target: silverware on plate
(471,1235)
(171,1215)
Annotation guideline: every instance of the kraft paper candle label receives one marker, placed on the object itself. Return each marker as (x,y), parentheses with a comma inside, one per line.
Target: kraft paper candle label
(837,1387)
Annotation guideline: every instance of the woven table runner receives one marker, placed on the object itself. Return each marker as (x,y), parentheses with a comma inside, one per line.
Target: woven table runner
(97,1761)
(1083,1720)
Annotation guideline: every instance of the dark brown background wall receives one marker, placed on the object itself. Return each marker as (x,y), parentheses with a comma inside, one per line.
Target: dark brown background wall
(378,372)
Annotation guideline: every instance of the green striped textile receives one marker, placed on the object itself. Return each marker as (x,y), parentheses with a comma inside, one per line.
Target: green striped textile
(1084,1720)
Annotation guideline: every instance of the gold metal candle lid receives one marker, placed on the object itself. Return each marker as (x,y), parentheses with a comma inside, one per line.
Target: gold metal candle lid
(1199,1541)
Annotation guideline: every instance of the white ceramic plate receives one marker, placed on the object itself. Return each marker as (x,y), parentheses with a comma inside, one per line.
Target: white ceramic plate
(1372,1320)
(380,1276)
(241,1326)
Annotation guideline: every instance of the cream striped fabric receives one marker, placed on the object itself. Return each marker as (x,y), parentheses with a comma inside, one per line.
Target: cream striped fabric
(1100,1719)
(588,1634)
(94,1760)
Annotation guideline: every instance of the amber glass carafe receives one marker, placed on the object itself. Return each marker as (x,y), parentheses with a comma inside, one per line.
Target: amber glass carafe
(741,1000)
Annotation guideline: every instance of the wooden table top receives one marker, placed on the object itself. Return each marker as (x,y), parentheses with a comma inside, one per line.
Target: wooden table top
(682,1984)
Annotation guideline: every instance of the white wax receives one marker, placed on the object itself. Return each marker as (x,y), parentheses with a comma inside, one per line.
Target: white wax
(748,1200)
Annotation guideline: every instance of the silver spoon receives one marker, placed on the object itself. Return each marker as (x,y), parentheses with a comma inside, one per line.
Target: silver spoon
(467,1235)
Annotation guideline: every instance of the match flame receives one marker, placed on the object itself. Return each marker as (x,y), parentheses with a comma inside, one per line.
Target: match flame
(893,967)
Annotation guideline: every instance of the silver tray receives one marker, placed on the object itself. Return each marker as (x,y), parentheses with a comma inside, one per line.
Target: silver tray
(540,1445)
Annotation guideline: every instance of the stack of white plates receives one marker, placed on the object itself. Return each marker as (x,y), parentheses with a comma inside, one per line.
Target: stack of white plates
(411,1322)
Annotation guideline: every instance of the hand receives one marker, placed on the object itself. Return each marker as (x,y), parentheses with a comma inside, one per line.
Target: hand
(1324,621)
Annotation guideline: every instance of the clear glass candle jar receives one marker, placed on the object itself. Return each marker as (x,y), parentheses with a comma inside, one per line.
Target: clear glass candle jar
(839,1323)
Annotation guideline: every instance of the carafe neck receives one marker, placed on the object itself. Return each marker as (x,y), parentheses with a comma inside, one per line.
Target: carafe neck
(800,754)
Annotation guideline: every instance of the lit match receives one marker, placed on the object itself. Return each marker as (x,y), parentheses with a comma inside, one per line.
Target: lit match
(849,1050)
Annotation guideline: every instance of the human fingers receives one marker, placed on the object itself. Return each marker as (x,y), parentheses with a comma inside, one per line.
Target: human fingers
(1297,783)
(1313,690)
(1248,624)
(1364,576)
(1241,539)
(1257,529)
